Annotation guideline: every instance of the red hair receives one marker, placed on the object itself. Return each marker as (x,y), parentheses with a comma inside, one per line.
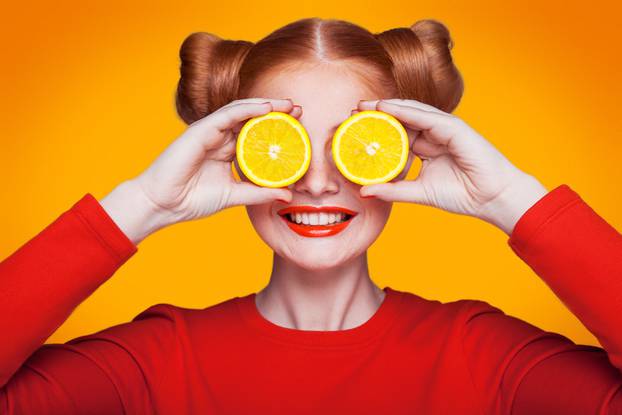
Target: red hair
(409,63)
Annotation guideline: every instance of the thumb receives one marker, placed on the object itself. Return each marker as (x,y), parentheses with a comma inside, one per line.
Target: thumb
(244,193)
(411,191)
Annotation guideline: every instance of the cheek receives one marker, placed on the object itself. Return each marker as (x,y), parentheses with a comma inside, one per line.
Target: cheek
(259,216)
(377,214)
(262,222)
(379,211)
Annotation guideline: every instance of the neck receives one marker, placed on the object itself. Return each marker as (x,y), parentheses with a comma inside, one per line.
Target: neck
(337,298)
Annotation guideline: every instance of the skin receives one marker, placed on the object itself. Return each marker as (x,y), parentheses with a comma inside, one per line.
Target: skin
(322,283)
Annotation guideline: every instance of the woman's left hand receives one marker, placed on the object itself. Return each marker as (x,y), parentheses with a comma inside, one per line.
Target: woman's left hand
(461,171)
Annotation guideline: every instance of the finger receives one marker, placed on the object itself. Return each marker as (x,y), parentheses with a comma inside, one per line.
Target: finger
(420,146)
(296,111)
(226,152)
(226,118)
(371,104)
(277,102)
(424,148)
(442,129)
(280,106)
(244,193)
(402,191)
(416,116)
(211,132)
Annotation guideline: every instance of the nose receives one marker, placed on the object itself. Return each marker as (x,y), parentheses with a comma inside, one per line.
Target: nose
(322,176)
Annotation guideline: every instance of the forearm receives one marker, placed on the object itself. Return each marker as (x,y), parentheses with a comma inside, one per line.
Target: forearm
(132,212)
(43,281)
(579,256)
(505,211)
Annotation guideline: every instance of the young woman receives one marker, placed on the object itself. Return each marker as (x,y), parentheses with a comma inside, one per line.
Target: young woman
(321,337)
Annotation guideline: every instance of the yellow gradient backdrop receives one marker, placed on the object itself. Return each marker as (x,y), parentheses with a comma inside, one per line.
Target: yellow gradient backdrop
(87,102)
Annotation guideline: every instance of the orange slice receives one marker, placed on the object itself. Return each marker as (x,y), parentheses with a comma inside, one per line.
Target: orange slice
(370,147)
(273,150)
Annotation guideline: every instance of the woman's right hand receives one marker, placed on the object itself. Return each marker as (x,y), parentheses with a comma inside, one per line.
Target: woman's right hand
(192,178)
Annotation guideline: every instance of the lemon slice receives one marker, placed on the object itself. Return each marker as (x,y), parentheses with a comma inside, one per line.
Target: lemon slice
(370,147)
(273,150)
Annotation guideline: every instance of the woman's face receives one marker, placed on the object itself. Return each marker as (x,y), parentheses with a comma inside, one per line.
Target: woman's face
(327,95)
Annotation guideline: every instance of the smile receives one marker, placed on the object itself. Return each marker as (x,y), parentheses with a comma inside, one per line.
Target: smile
(313,221)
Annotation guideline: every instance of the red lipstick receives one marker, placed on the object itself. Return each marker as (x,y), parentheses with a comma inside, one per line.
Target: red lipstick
(316,230)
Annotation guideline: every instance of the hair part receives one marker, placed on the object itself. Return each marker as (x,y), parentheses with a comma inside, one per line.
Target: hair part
(407,63)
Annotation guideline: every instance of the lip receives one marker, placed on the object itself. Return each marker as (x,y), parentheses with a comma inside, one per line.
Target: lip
(316,230)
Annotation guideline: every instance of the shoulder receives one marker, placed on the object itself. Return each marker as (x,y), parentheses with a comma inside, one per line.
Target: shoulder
(162,321)
(153,325)
(469,319)
(222,316)
(417,307)
(220,310)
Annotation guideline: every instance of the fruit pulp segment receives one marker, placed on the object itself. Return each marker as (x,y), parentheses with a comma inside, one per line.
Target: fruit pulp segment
(274,150)
(371,149)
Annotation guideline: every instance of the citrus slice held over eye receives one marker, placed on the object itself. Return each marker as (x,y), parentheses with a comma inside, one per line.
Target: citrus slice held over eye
(370,147)
(273,150)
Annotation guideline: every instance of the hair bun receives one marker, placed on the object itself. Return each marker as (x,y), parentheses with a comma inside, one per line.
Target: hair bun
(208,74)
(422,63)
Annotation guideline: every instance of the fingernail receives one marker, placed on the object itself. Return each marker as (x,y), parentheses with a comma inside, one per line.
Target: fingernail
(368,196)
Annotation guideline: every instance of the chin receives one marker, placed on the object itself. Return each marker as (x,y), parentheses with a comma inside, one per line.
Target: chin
(315,259)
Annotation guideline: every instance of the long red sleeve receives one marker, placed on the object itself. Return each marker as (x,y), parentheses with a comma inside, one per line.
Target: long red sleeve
(579,256)
(43,281)
(413,355)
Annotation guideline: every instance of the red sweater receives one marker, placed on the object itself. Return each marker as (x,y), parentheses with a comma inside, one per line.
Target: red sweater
(414,356)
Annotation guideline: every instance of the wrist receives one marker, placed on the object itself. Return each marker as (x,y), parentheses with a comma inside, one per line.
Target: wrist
(508,207)
(133,212)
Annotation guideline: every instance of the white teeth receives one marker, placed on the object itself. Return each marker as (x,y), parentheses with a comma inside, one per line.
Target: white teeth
(323,218)
(317,218)
(313,219)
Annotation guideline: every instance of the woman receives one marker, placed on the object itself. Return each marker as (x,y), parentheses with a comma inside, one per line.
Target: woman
(321,337)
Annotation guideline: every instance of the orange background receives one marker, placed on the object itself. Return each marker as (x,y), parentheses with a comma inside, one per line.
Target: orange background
(88,103)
